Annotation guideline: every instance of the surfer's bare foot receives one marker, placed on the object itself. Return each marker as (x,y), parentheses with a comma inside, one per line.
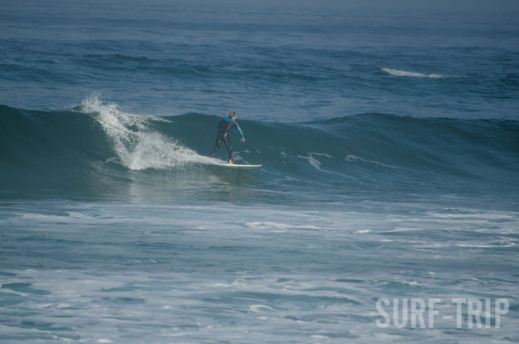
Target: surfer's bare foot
(230,162)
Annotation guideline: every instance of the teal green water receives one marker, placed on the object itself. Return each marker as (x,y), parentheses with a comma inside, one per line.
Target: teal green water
(85,152)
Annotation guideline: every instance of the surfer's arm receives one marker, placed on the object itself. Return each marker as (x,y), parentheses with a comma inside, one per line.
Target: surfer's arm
(239,130)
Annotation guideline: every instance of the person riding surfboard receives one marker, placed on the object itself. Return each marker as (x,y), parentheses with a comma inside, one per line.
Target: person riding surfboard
(224,128)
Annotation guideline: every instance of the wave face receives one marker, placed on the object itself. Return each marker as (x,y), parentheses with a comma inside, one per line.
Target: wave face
(97,150)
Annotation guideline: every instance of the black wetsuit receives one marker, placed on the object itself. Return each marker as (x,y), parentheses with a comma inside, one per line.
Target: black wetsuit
(224,128)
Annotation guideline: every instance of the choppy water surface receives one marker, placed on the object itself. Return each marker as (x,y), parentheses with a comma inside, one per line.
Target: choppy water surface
(389,139)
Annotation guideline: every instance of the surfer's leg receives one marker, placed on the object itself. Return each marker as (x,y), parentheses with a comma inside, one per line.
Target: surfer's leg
(228,145)
(217,146)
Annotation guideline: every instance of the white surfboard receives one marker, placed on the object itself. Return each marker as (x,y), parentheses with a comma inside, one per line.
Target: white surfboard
(241,166)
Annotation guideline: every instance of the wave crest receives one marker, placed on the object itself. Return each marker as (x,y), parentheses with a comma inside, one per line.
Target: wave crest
(397,72)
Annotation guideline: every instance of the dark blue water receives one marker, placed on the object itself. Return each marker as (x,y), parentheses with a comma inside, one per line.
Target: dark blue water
(273,61)
(388,135)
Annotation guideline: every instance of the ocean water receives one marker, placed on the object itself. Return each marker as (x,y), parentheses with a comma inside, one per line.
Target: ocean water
(389,139)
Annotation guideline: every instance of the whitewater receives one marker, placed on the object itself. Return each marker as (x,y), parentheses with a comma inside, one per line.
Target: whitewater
(140,148)
(386,209)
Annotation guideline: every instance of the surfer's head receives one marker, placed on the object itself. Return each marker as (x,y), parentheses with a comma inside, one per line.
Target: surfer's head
(232,115)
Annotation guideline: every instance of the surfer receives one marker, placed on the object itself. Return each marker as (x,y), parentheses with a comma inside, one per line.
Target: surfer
(224,128)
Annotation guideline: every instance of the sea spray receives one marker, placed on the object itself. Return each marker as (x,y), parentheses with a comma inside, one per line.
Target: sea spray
(137,146)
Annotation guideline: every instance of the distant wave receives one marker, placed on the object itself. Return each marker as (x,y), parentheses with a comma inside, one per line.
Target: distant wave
(397,72)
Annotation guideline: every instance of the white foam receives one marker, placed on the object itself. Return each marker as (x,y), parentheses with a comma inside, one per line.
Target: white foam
(355,158)
(266,224)
(259,308)
(397,72)
(317,164)
(137,146)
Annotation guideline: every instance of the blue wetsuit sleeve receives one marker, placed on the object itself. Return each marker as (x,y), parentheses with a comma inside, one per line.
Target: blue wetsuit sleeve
(239,129)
